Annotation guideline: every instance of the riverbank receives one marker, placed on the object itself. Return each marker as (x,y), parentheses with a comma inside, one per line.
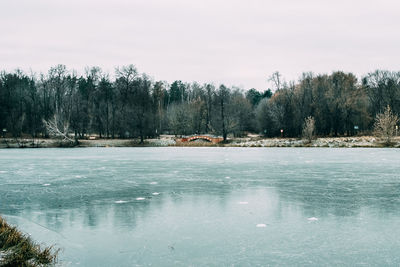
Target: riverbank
(16,249)
(334,142)
(169,140)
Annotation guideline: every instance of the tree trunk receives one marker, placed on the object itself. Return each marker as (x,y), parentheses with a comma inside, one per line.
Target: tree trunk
(224,134)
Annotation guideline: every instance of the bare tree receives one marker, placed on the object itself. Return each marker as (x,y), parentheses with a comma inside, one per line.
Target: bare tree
(309,128)
(276,79)
(54,130)
(223,94)
(385,124)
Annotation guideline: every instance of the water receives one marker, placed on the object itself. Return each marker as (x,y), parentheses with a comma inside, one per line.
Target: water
(207,206)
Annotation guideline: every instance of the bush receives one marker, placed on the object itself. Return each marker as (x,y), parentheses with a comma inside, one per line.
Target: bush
(385,125)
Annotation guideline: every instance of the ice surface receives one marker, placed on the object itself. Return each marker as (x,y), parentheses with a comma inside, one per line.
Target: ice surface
(341,210)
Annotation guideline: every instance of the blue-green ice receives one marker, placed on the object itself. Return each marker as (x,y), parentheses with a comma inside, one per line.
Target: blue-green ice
(207,206)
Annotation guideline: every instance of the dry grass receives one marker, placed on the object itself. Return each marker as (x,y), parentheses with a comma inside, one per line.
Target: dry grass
(19,250)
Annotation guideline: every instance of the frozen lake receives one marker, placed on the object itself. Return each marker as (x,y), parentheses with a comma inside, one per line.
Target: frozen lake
(207,206)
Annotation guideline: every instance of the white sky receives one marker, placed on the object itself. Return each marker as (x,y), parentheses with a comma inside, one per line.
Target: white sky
(222,41)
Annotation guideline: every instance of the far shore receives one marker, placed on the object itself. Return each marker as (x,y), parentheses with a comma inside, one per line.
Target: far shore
(170,140)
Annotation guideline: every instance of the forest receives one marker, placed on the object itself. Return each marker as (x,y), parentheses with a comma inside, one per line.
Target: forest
(128,104)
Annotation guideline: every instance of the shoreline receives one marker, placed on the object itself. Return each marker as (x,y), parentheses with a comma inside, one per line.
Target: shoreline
(169,141)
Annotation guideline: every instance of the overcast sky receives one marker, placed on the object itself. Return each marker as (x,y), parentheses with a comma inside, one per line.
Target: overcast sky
(222,41)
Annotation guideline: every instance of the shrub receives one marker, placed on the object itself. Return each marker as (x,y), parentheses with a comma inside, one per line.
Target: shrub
(385,125)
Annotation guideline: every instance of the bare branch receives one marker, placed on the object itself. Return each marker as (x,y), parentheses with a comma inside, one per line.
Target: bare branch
(53,130)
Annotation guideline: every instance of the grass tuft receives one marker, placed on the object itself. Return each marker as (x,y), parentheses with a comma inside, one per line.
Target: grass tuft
(16,249)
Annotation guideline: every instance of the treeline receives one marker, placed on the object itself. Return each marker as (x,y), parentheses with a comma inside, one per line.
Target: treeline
(132,105)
